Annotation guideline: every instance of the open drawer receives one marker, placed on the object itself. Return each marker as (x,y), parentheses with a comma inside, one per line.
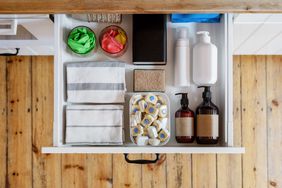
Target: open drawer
(221,35)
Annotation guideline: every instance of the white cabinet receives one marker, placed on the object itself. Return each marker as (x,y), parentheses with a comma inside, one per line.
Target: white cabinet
(258,34)
(221,36)
(31,34)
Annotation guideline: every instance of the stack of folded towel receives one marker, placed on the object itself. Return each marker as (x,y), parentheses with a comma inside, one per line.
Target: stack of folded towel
(95,82)
(94,124)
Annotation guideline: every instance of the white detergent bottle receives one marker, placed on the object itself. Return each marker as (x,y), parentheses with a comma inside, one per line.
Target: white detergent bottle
(182,67)
(204,60)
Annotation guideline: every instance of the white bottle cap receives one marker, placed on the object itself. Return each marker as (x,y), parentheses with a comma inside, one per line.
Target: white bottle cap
(183,33)
(182,37)
(204,36)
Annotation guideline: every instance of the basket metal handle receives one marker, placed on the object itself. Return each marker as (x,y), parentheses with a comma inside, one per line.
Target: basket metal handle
(141,161)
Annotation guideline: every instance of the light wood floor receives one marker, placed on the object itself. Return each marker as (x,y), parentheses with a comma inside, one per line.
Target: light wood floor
(26,113)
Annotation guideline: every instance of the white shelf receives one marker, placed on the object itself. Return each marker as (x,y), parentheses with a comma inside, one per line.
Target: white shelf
(164,149)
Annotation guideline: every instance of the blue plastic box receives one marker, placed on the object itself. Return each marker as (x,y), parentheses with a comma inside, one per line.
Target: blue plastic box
(198,18)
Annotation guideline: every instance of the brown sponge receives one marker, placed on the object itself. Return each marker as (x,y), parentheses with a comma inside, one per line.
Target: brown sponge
(149,80)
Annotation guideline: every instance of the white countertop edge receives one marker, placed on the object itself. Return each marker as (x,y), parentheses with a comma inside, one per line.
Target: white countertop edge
(123,149)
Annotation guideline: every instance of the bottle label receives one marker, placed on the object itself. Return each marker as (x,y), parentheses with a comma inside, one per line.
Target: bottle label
(207,125)
(184,126)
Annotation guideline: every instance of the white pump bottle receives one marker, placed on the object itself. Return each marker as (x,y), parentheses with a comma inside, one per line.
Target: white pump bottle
(204,60)
(182,68)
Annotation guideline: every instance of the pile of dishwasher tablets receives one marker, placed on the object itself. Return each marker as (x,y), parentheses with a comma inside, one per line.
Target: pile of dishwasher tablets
(149,119)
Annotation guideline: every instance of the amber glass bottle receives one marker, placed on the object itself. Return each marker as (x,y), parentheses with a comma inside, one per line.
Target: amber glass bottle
(207,125)
(184,121)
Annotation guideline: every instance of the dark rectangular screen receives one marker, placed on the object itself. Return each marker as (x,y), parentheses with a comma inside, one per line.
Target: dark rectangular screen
(149,38)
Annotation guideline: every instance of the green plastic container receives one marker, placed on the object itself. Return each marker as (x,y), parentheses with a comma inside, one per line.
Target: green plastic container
(82,40)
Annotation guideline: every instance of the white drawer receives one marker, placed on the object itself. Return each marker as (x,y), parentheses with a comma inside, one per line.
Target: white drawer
(221,35)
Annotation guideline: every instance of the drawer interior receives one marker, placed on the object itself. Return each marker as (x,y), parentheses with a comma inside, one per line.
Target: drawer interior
(221,91)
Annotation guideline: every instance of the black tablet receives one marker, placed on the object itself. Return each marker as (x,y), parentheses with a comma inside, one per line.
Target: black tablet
(149,39)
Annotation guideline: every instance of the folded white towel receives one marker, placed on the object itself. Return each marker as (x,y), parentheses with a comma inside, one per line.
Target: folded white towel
(94,124)
(96,82)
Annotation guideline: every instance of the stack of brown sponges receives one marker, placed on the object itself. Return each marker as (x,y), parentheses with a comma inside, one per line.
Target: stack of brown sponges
(149,80)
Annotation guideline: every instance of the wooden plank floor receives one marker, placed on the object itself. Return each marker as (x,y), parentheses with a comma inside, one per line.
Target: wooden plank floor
(26,106)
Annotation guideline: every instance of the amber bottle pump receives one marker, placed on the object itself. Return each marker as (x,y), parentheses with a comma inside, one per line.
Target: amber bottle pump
(207,124)
(184,121)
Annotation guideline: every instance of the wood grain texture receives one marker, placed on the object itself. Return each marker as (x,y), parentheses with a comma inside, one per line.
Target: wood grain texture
(254,121)
(237,101)
(179,170)
(204,170)
(74,171)
(274,113)
(3,122)
(153,175)
(46,168)
(125,174)
(229,167)
(138,6)
(100,170)
(19,122)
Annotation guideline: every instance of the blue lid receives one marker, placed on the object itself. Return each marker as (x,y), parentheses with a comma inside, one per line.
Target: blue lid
(198,18)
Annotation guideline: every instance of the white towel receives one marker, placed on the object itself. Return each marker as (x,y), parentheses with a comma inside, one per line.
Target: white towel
(94,124)
(96,82)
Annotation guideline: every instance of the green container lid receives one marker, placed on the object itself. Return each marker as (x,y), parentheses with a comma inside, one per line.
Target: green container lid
(81,40)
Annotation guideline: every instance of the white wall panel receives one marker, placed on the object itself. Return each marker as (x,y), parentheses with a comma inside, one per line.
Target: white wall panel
(250,18)
(242,33)
(273,46)
(259,34)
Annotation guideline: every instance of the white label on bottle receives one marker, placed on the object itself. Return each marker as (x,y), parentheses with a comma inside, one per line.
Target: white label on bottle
(184,126)
(207,125)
